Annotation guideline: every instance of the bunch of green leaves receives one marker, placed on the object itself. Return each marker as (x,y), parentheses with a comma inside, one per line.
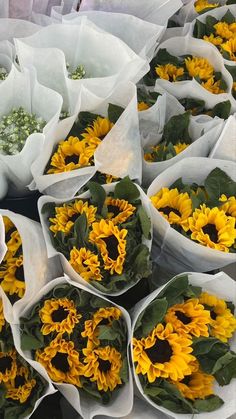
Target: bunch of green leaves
(206,29)
(232,70)
(100,178)
(114,335)
(175,131)
(146,96)
(214,356)
(137,264)
(197,107)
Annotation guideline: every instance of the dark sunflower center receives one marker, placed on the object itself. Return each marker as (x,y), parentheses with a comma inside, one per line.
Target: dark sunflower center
(19,381)
(112,246)
(160,352)
(72,159)
(19,274)
(167,210)
(104,322)
(60,362)
(186,380)
(104,365)
(74,217)
(181,316)
(212,232)
(213,314)
(5,363)
(59,315)
(114,209)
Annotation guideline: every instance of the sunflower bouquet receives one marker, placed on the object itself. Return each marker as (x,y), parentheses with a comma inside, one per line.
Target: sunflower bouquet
(183,342)
(21,386)
(194,8)
(103,236)
(103,132)
(194,215)
(80,339)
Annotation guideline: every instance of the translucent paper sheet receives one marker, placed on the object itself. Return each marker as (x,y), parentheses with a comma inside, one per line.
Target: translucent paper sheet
(3,247)
(225,148)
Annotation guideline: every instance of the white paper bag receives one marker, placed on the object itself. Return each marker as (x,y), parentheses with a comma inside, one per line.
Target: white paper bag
(51,251)
(107,59)
(223,287)
(23,90)
(36,268)
(16,28)
(171,248)
(154,11)
(152,121)
(3,247)
(225,148)
(88,408)
(187,45)
(119,154)
(7,55)
(141,36)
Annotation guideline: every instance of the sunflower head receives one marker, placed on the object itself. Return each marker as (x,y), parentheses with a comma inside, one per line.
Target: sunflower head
(103,366)
(222,320)
(20,387)
(230,48)
(201,5)
(228,205)
(97,131)
(224,30)
(199,67)
(2,318)
(12,278)
(85,263)
(214,40)
(179,147)
(8,367)
(213,86)
(169,72)
(119,210)
(142,106)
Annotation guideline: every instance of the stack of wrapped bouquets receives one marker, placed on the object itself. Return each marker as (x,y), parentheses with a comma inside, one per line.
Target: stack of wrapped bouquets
(117,209)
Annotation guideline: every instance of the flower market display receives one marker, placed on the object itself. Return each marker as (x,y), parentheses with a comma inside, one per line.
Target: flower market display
(117,209)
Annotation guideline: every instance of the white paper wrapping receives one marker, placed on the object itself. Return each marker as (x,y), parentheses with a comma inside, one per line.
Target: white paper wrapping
(23,9)
(107,59)
(36,269)
(7,55)
(182,45)
(88,408)
(22,89)
(223,287)
(16,28)
(53,252)
(172,249)
(3,247)
(49,389)
(119,154)
(154,11)
(225,148)
(187,13)
(152,121)
(141,36)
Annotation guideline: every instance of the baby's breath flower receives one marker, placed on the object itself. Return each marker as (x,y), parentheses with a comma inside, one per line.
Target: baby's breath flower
(77,74)
(3,73)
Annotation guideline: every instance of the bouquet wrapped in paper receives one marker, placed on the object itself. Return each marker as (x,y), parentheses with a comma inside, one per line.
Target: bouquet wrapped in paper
(16,28)
(80,340)
(183,346)
(28,110)
(225,147)
(22,387)
(24,267)
(79,55)
(103,236)
(194,215)
(195,8)
(101,134)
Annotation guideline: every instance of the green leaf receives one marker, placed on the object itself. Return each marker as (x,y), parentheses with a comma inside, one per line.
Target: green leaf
(29,343)
(210,22)
(193,292)
(195,106)
(232,70)
(218,183)
(231,306)
(145,222)
(126,189)
(202,346)
(209,404)
(177,287)
(222,362)
(222,109)
(114,112)
(199,29)
(107,333)
(176,129)
(81,231)
(227,373)
(98,195)
(228,17)
(231,2)
(151,316)
(163,57)
(124,372)
(177,184)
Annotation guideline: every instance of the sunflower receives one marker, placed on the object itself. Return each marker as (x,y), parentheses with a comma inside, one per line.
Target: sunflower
(72,154)
(212,86)
(119,210)
(8,367)
(142,106)
(151,156)
(163,353)
(230,47)
(223,322)
(189,317)
(12,278)
(199,67)
(215,40)
(224,30)
(85,263)
(61,361)
(103,366)
(14,243)
(228,205)
(175,207)
(198,385)
(212,228)
(104,316)
(2,318)
(97,131)
(179,147)
(20,387)
(169,72)
(68,214)
(59,316)
(111,243)
(110,178)
(201,5)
